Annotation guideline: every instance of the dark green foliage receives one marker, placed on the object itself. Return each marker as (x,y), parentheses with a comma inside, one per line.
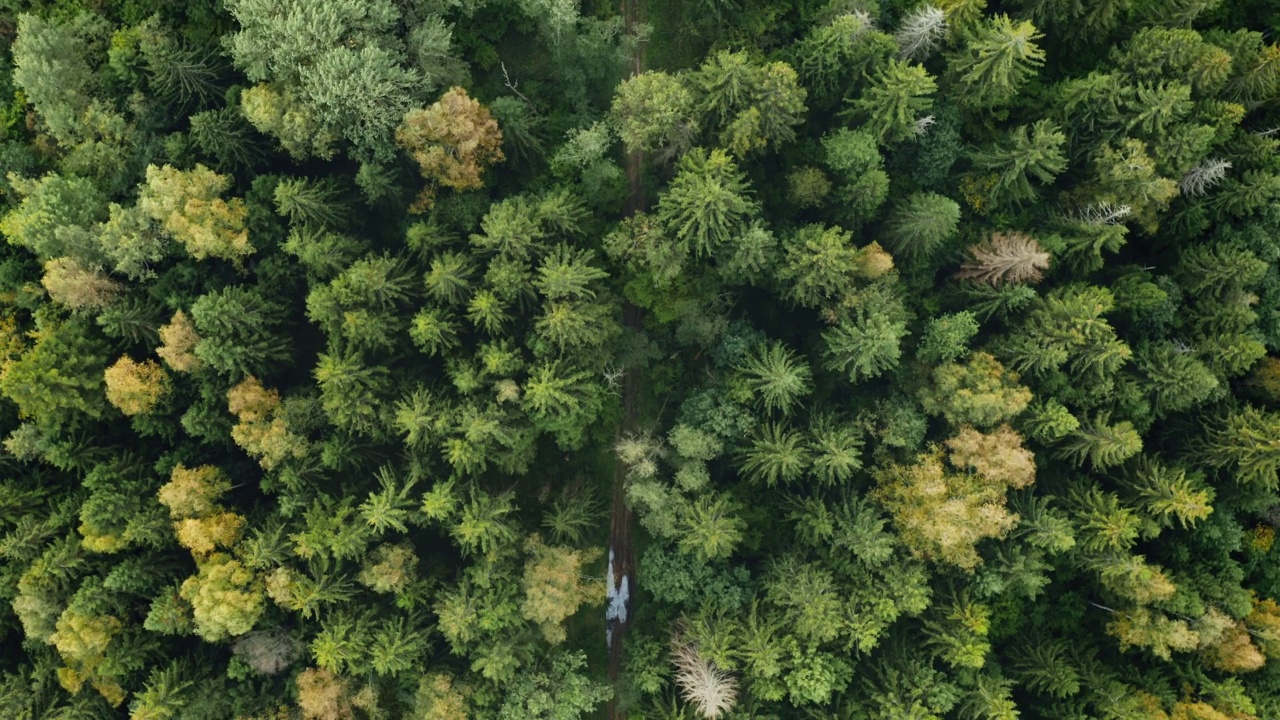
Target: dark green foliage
(873,361)
(239,331)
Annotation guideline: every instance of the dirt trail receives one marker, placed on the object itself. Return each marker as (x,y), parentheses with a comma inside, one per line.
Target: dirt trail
(620,520)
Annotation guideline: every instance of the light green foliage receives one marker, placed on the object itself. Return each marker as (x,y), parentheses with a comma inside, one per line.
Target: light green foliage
(1176,380)
(339,85)
(1168,493)
(1244,445)
(776,377)
(131,241)
(980,392)
(561,692)
(958,633)
(708,202)
(756,105)
(51,65)
(853,155)
(921,224)
(316,204)
(852,360)
(561,401)
(226,598)
(349,389)
(1033,151)
(1067,328)
(275,111)
(1102,443)
(865,346)
(52,210)
(430,48)
(822,267)
(58,379)
(334,58)
(777,454)
(710,528)
(188,204)
(946,338)
(654,111)
(941,515)
(995,62)
(278,40)
(897,97)
(1126,175)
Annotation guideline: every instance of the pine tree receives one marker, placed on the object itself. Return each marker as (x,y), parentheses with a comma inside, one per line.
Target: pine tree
(51,65)
(1044,664)
(865,346)
(777,454)
(1247,443)
(1177,381)
(958,633)
(896,98)
(449,278)
(482,525)
(1067,327)
(1031,151)
(655,111)
(225,136)
(836,449)
(568,274)
(1168,493)
(822,267)
(777,377)
(308,203)
(708,202)
(709,527)
(1126,175)
(239,332)
(846,47)
(1103,444)
(996,61)
(396,646)
(921,224)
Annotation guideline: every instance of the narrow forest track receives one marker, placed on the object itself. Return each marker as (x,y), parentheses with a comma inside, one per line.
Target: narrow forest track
(620,519)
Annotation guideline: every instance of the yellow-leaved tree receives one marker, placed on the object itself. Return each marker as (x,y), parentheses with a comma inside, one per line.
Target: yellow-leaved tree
(261,429)
(178,343)
(554,586)
(943,512)
(453,141)
(135,387)
(190,207)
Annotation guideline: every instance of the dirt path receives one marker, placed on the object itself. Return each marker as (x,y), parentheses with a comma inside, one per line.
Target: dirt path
(620,520)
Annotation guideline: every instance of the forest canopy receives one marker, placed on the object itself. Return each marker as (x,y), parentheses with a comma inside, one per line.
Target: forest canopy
(546,360)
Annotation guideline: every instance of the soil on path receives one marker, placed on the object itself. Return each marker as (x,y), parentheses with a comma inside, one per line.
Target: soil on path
(620,520)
